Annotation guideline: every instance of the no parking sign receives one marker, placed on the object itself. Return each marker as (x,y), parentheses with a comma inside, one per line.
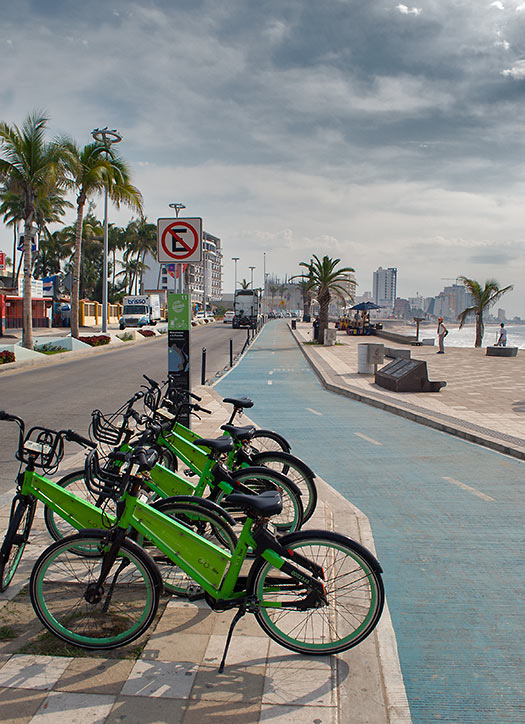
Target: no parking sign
(179,241)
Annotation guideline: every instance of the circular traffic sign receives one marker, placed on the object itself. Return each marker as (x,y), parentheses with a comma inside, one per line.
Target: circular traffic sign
(179,240)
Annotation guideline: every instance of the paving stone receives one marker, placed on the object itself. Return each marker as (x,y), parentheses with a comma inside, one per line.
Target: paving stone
(206,712)
(160,678)
(18,706)
(95,676)
(33,672)
(299,714)
(245,650)
(183,617)
(69,708)
(236,683)
(138,710)
(299,687)
(189,648)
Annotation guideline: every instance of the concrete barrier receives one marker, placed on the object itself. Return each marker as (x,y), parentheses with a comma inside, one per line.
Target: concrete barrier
(502,351)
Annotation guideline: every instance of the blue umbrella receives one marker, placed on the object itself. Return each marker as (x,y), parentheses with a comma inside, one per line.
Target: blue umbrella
(366,305)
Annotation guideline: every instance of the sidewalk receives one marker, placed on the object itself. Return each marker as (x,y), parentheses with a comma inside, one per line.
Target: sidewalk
(175,680)
(483,402)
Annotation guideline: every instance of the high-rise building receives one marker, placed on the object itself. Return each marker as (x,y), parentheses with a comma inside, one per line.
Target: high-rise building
(385,287)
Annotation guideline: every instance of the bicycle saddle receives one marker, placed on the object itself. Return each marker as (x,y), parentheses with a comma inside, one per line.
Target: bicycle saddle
(239,433)
(264,505)
(220,444)
(243,402)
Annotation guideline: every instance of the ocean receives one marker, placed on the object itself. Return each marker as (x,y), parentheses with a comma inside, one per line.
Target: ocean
(465,337)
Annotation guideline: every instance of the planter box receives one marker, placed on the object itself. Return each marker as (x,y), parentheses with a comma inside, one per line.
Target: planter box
(502,351)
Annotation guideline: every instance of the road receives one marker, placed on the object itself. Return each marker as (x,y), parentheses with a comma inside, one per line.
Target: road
(63,395)
(448,526)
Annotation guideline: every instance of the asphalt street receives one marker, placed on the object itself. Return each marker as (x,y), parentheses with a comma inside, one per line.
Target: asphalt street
(447,522)
(64,395)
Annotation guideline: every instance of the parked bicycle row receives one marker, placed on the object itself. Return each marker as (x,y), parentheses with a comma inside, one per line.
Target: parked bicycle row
(156,507)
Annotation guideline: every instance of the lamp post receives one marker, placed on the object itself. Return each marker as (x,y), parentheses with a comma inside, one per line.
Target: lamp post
(251,268)
(235,259)
(179,282)
(108,138)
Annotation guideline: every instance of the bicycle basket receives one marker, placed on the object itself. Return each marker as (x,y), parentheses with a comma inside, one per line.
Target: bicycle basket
(42,448)
(101,480)
(105,429)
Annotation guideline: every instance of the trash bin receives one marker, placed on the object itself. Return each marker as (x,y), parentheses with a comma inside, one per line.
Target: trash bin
(316,330)
(294,324)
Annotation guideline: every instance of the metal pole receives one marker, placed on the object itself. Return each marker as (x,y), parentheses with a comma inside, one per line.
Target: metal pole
(203,366)
(105,270)
(231,352)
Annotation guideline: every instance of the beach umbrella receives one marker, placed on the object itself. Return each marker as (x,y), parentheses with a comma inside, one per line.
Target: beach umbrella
(366,306)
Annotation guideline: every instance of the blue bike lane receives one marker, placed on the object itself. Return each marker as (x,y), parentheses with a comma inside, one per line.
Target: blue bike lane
(448,528)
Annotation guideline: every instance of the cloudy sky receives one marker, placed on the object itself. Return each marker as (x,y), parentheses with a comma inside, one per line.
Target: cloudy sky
(381,133)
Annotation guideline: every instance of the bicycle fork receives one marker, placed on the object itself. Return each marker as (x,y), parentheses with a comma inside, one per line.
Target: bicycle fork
(95,589)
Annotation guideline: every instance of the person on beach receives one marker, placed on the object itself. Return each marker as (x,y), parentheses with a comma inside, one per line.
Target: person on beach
(442,332)
(502,339)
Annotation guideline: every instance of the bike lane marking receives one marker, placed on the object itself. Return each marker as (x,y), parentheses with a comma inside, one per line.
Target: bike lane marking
(368,439)
(464,486)
(314,412)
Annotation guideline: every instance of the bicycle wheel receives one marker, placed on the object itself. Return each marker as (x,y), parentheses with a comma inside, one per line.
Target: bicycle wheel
(20,522)
(130,598)
(354,595)
(296,471)
(199,519)
(268,441)
(75,482)
(259,479)
(168,458)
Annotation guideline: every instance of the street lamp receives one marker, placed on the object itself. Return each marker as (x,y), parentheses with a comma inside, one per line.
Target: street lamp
(235,259)
(108,138)
(177,207)
(251,268)
(179,282)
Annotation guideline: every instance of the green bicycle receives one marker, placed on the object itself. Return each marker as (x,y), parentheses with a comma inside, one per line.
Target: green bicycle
(313,592)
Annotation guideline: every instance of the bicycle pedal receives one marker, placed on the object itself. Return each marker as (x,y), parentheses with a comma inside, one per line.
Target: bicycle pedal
(194,592)
(189,473)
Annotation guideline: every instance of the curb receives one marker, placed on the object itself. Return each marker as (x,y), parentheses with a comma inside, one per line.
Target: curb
(319,366)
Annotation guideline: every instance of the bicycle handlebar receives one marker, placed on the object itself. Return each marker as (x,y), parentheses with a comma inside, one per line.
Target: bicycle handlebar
(75,437)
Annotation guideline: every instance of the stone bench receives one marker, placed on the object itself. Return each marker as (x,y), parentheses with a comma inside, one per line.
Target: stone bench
(502,351)
(397,353)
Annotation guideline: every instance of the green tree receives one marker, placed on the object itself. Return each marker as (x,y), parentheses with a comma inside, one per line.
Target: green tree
(140,239)
(483,298)
(33,168)
(244,284)
(325,279)
(91,170)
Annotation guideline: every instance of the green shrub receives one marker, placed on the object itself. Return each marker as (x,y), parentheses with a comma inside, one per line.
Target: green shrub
(96,340)
(126,337)
(49,348)
(6,356)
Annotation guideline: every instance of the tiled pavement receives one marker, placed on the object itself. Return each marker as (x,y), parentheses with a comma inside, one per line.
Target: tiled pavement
(484,400)
(176,677)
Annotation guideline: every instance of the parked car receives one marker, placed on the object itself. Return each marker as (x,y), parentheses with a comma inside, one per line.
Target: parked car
(228,318)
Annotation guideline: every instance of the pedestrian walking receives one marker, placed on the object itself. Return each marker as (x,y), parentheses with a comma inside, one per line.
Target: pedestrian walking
(502,339)
(442,332)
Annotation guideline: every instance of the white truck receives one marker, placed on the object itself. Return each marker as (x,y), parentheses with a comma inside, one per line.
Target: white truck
(246,308)
(140,311)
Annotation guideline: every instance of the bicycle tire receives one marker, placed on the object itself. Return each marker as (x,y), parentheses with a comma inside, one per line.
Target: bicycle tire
(259,479)
(205,522)
(268,441)
(12,549)
(296,471)
(59,582)
(354,590)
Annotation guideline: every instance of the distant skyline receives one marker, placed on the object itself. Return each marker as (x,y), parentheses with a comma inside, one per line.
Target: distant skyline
(383,133)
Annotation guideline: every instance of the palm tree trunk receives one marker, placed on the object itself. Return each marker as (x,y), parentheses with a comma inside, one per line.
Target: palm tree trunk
(75,290)
(27,322)
(324,302)
(479,329)
(15,244)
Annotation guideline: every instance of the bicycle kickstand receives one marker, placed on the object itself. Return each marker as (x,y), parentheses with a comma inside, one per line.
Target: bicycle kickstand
(240,613)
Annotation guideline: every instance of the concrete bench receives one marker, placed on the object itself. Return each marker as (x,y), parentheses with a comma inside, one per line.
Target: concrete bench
(396,353)
(502,351)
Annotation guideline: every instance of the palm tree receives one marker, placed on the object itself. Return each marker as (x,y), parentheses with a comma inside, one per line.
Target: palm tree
(244,284)
(273,289)
(483,298)
(325,279)
(12,207)
(32,167)
(140,239)
(91,170)
(306,293)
